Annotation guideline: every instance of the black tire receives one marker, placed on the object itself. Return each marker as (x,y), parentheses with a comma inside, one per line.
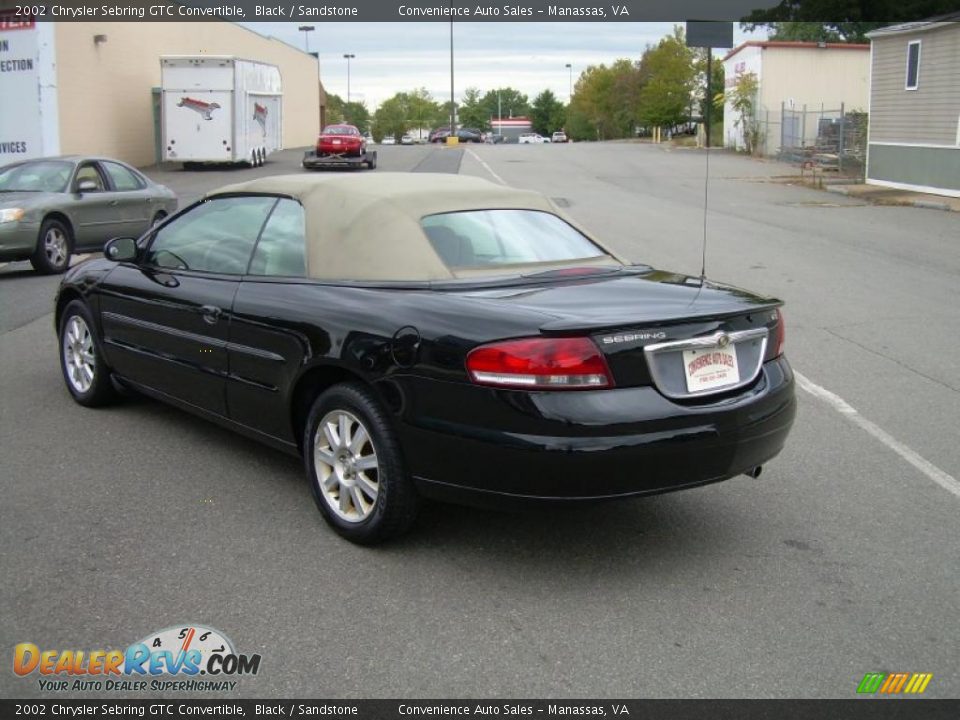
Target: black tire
(372,161)
(100,390)
(394,507)
(54,248)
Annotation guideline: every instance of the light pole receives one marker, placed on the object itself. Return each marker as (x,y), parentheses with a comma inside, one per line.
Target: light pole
(306,38)
(453,108)
(349,57)
(570,93)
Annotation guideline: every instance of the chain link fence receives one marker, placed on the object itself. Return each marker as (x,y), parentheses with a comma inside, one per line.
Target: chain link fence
(831,139)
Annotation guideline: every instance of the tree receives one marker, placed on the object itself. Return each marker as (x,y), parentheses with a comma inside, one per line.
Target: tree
(849,20)
(513,103)
(547,113)
(356,113)
(805,31)
(423,111)
(599,108)
(334,109)
(716,87)
(405,111)
(390,119)
(669,74)
(743,99)
(472,113)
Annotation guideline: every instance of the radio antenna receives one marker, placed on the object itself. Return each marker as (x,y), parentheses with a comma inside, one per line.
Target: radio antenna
(706,179)
(706,198)
(708,35)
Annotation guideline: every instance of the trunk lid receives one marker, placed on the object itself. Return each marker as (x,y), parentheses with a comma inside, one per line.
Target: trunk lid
(650,326)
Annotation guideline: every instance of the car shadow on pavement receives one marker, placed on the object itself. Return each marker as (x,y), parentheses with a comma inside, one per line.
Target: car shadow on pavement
(573,537)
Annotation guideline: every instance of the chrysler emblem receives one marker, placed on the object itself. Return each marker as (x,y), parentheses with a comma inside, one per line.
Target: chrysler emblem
(723,340)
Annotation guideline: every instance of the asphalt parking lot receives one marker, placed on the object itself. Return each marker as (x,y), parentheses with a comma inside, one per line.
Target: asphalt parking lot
(843,558)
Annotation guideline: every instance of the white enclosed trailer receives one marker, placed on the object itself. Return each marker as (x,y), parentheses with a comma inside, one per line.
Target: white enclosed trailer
(220,109)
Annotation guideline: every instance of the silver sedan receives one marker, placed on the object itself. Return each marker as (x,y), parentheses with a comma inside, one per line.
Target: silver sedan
(51,208)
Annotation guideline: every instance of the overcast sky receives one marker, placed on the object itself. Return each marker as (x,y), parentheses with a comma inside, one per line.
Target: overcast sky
(393,57)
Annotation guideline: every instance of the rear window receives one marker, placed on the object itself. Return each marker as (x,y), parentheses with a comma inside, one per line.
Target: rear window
(483,238)
(340,130)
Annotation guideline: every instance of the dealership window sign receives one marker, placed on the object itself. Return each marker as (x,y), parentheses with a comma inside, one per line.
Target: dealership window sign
(28,124)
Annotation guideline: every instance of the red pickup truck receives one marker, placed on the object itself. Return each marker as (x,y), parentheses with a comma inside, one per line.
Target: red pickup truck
(340,146)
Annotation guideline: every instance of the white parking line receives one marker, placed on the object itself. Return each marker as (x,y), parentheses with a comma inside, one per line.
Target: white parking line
(947,482)
(487,167)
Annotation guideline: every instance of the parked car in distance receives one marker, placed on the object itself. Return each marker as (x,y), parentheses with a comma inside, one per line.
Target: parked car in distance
(388,140)
(51,208)
(559,137)
(340,146)
(494,139)
(532,139)
(407,139)
(470,135)
(430,335)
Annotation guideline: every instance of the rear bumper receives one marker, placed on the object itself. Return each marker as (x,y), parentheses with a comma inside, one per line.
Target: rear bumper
(602,444)
(312,160)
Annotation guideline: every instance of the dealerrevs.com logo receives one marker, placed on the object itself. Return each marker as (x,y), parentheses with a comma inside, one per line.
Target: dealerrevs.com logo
(180,658)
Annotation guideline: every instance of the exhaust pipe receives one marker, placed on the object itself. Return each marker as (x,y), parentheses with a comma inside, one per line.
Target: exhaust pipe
(754,472)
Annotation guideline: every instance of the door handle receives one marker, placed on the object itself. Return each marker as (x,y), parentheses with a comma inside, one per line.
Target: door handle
(211,314)
(114,202)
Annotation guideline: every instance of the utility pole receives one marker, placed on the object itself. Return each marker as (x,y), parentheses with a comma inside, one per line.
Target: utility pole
(569,67)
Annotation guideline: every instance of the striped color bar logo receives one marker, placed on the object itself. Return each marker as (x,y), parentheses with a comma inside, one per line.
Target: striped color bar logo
(894,683)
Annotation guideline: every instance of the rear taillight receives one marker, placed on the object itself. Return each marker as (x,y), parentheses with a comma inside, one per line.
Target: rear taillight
(780,334)
(541,364)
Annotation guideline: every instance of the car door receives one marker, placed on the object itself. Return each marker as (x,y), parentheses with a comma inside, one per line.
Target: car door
(134,200)
(94,212)
(267,343)
(165,318)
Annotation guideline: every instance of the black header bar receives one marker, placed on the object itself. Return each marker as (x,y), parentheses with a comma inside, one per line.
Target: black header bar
(439,10)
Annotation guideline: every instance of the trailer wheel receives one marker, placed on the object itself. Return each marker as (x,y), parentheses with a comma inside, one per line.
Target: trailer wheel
(372,160)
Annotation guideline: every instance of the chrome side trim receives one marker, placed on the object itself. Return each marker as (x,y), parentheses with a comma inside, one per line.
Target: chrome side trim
(717,339)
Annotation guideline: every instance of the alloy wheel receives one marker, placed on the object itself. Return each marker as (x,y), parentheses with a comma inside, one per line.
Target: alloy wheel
(55,247)
(346,464)
(78,355)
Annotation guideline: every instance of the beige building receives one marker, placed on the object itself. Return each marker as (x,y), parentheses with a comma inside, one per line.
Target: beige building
(99,84)
(914,141)
(793,76)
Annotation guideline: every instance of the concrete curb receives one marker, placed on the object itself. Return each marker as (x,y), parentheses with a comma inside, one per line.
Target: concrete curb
(899,201)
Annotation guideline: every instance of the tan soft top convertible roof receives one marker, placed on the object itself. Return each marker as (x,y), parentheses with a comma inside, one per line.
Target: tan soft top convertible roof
(366,227)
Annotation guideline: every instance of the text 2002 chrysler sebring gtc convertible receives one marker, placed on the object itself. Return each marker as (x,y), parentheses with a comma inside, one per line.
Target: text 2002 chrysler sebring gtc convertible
(430,335)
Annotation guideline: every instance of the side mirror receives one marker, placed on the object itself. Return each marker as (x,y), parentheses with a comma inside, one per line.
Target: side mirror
(86,185)
(121,249)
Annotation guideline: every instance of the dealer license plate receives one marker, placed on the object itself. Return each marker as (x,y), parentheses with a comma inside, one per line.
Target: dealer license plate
(710,368)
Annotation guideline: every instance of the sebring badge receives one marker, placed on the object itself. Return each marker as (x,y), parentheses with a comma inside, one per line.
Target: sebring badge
(723,340)
(633,337)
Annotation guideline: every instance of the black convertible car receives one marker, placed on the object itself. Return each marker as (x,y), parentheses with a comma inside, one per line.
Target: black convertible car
(418,335)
